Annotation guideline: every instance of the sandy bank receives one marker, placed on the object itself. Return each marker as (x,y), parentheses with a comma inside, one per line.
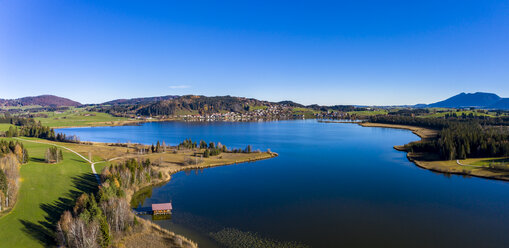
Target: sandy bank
(423,133)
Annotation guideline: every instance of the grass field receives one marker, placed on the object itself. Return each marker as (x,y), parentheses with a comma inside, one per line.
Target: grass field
(459,113)
(369,113)
(253,108)
(77,117)
(4,127)
(487,162)
(46,191)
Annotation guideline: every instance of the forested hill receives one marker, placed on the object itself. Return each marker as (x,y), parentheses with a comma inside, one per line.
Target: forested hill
(476,100)
(201,105)
(43,100)
(141,100)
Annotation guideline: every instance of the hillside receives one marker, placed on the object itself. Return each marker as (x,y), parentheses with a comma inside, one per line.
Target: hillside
(502,104)
(43,100)
(475,100)
(141,100)
(201,105)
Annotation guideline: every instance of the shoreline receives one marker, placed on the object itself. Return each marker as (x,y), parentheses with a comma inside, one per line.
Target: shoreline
(445,167)
(115,123)
(423,133)
(137,122)
(167,175)
(150,231)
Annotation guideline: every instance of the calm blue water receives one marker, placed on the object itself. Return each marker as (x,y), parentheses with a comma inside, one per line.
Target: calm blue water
(333,185)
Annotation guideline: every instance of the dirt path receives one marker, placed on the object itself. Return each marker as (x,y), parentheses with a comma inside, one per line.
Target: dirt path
(92,164)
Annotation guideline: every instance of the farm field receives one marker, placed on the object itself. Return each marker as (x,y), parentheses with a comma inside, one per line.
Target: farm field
(77,117)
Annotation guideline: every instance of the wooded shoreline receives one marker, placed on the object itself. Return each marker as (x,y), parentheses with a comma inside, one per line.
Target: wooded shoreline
(434,164)
(167,173)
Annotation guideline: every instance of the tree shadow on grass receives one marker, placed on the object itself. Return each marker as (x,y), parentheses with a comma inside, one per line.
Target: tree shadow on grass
(37,160)
(44,231)
(77,160)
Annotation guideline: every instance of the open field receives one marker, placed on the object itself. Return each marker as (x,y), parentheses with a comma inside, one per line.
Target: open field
(368,113)
(258,107)
(472,167)
(46,191)
(306,112)
(460,113)
(78,117)
(4,127)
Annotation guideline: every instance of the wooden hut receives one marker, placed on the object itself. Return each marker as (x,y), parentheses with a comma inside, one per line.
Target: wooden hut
(161,208)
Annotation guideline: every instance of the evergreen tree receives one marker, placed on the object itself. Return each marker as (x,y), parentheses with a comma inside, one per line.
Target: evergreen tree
(60,155)
(248,149)
(3,182)
(158,147)
(105,232)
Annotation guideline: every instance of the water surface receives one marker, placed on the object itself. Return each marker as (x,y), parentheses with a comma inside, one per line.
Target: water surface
(333,185)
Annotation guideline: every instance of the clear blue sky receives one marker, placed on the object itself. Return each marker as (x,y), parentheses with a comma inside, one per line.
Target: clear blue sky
(325,52)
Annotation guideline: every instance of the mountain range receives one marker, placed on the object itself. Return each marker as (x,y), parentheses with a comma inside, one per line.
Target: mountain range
(473,100)
(173,103)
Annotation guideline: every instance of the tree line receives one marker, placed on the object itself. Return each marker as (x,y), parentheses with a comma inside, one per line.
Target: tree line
(37,130)
(97,220)
(458,138)
(466,140)
(12,154)
(16,120)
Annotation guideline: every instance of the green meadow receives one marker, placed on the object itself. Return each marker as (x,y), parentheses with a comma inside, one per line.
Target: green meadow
(368,112)
(46,190)
(4,127)
(76,117)
(460,113)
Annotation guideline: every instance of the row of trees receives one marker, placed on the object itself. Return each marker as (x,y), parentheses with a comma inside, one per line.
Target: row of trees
(437,122)
(40,131)
(15,120)
(461,141)
(12,154)
(433,123)
(458,138)
(85,226)
(131,172)
(96,220)
(16,148)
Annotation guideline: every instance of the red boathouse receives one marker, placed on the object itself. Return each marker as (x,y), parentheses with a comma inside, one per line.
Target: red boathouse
(161,208)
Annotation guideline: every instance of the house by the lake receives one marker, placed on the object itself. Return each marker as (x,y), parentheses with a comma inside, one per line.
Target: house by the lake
(161,208)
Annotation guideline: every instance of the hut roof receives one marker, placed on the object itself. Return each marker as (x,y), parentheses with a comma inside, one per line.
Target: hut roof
(161,206)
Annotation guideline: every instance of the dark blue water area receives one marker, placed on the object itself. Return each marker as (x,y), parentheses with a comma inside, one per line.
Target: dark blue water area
(332,185)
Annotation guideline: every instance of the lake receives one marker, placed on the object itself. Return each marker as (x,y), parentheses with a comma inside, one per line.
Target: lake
(333,185)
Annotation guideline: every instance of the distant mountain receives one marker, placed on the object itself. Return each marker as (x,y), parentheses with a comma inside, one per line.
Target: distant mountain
(467,100)
(43,100)
(502,104)
(141,100)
